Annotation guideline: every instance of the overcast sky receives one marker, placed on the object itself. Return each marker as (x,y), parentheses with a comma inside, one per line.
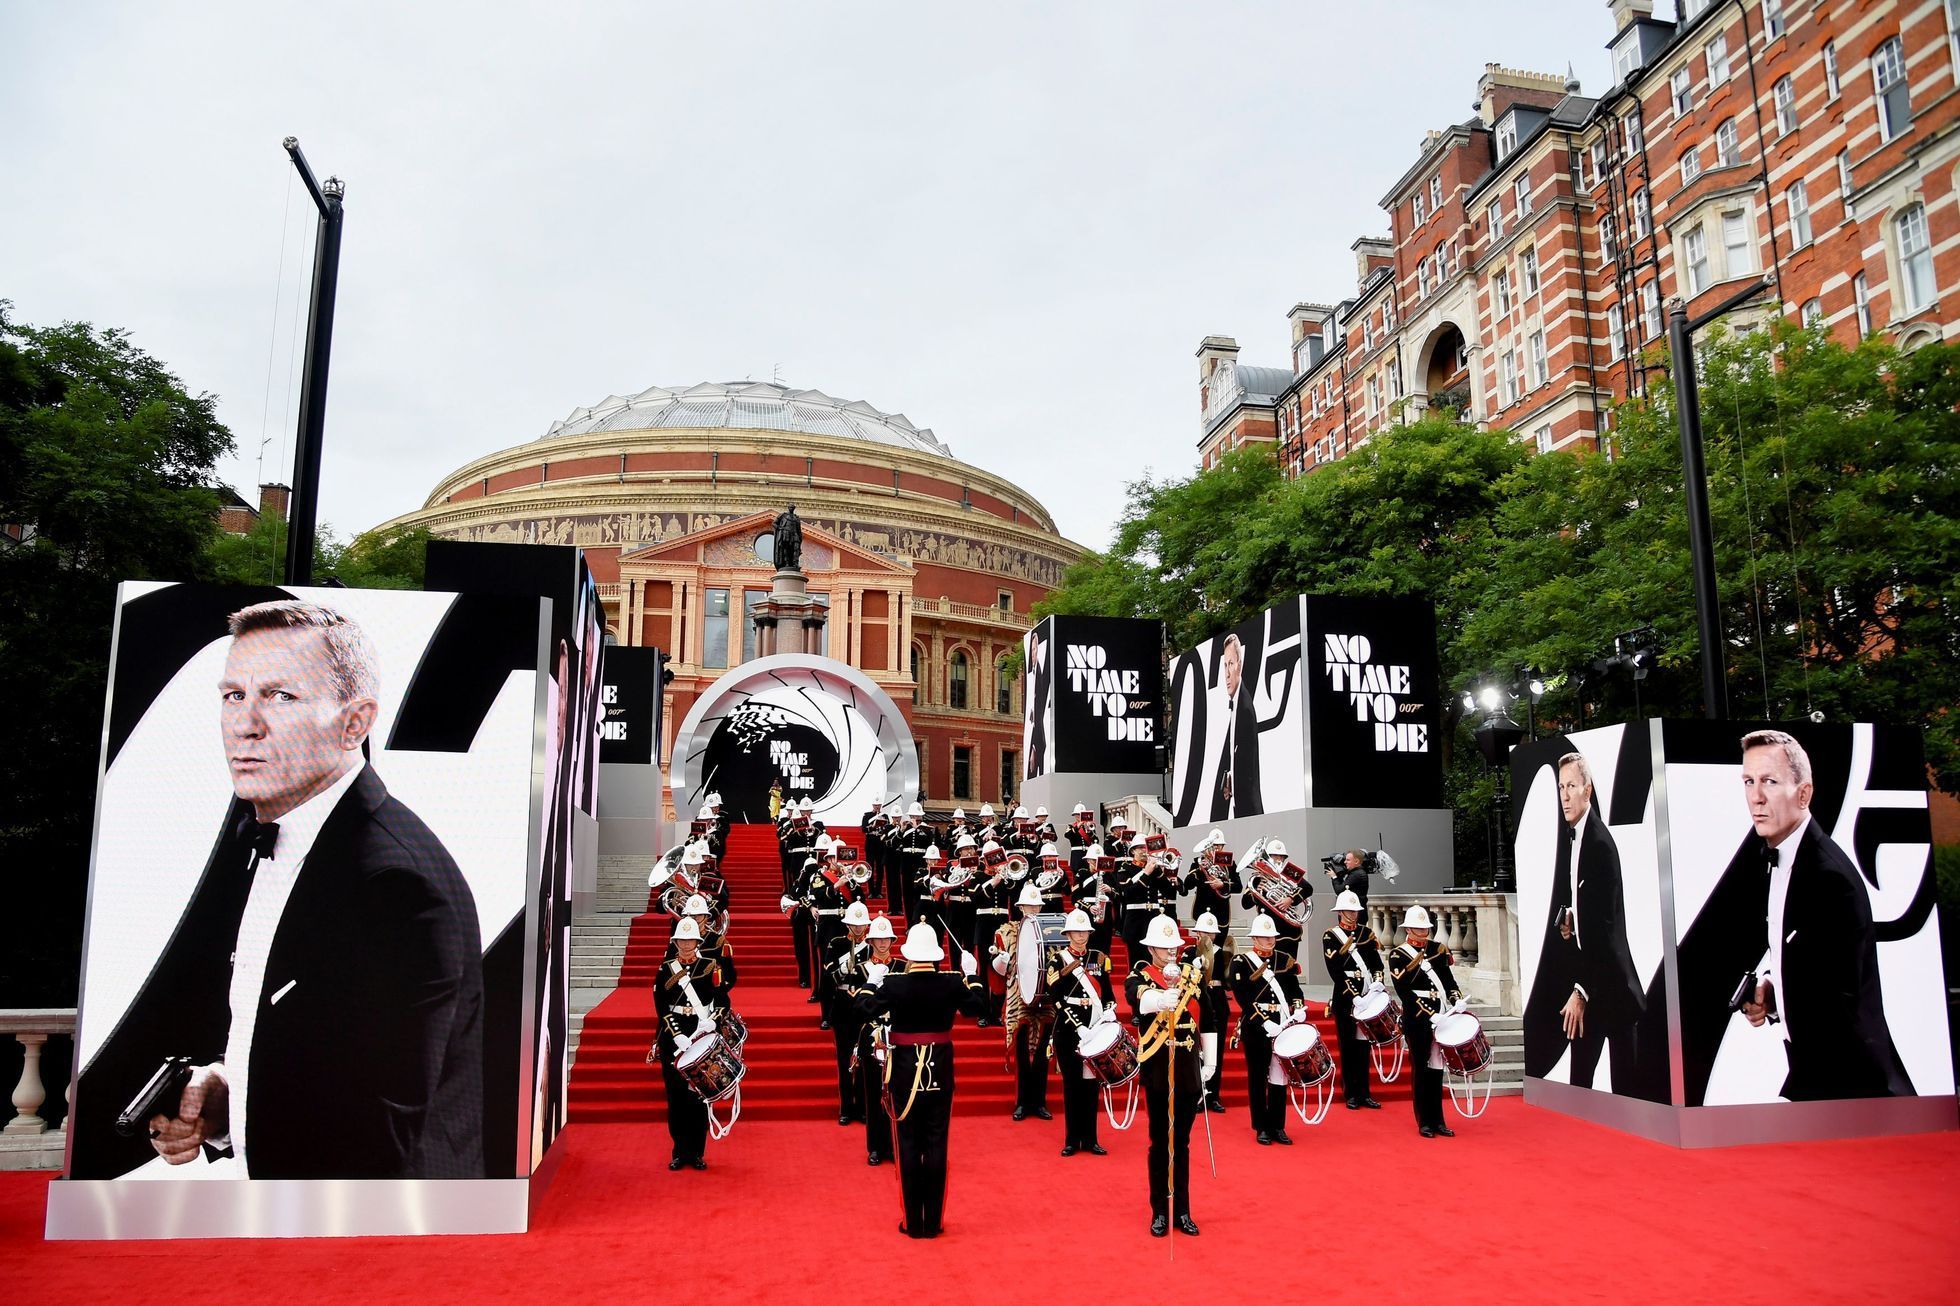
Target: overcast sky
(1012,223)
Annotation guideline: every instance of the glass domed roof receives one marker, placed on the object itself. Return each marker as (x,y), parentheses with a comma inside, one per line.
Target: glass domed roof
(748,406)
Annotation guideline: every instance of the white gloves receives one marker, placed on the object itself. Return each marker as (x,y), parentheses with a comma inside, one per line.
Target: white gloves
(1000,963)
(1207,1055)
(1104,1015)
(682,1043)
(1462,1005)
(1172,970)
(1271,1027)
(1154,1001)
(703,1026)
(787,902)
(968,966)
(1376,987)
(875,972)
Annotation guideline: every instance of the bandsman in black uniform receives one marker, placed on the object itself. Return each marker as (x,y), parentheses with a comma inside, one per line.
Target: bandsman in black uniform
(1165,999)
(1020,837)
(1149,890)
(714,942)
(1044,829)
(988,830)
(1095,893)
(1354,963)
(913,838)
(1121,836)
(874,1042)
(844,966)
(1081,834)
(952,890)
(1215,1008)
(921,1001)
(1079,985)
(686,999)
(1052,876)
(991,898)
(1027,1033)
(1266,984)
(1213,881)
(1423,980)
(872,827)
(723,823)
(1274,861)
(829,894)
(796,906)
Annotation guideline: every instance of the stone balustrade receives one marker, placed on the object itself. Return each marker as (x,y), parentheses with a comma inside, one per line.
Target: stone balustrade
(25,1141)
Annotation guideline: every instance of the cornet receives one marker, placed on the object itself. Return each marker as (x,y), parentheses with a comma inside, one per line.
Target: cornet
(858,873)
(1015,869)
(1170,859)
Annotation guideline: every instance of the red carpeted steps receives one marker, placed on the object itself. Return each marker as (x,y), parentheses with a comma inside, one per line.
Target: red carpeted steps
(792,1068)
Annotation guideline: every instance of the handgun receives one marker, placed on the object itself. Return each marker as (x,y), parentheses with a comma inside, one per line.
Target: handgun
(162,1096)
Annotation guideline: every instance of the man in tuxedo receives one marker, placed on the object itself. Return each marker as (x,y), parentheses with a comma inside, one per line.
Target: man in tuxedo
(1586,994)
(1818,982)
(1039,674)
(1237,793)
(326,975)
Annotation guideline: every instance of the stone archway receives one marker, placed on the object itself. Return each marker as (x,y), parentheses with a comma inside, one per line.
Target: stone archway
(1445,370)
(821,727)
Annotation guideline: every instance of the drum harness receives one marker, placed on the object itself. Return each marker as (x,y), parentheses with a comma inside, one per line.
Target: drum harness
(1387,1070)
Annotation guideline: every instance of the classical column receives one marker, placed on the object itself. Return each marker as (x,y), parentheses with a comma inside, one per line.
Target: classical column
(29,1093)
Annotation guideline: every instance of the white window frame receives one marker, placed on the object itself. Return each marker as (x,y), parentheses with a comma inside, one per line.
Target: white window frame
(1738,253)
(1507,136)
(1690,165)
(1422,278)
(1682,88)
(1812,313)
(1695,271)
(1508,369)
(1890,55)
(1833,87)
(1495,215)
(1844,181)
(1528,270)
(1500,293)
(1650,310)
(1541,372)
(1643,214)
(1542,438)
(1415,209)
(1635,135)
(1436,193)
(1784,93)
(1716,52)
(1615,333)
(1916,259)
(1773,20)
(1521,189)
(1861,294)
(1728,144)
(1797,201)
(1609,244)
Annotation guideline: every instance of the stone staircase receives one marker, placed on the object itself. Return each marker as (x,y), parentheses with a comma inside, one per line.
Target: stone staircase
(599,939)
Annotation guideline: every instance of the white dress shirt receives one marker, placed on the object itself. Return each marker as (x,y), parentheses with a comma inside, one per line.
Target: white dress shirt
(272,885)
(1779,895)
(1571,835)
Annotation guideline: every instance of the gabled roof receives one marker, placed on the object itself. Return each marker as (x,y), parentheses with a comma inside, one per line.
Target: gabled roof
(698,546)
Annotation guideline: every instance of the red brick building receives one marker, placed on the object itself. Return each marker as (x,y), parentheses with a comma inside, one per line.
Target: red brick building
(1533,249)
(929,564)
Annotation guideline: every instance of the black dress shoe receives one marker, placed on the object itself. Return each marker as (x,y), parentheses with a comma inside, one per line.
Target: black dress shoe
(1187,1226)
(902,1229)
(1371,1104)
(1353,1105)
(843,1118)
(1068,1149)
(872,1158)
(1020,1113)
(1213,1104)
(1427,1132)
(1096,1149)
(699,1163)
(803,984)
(1265,1139)
(984,1023)
(1043,1113)
(1160,1225)
(1281,1137)
(676,1163)
(1444,1131)
(823,1024)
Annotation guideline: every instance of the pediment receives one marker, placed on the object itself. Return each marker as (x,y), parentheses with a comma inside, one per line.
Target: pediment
(732,544)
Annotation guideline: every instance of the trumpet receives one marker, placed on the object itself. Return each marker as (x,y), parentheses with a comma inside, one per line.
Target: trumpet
(858,873)
(1170,859)
(1015,869)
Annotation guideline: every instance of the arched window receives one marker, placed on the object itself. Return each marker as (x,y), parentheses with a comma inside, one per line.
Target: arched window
(956,669)
(1003,689)
(918,683)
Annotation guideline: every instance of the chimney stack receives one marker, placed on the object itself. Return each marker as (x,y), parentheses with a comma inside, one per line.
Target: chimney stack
(274,499)
(1626,12)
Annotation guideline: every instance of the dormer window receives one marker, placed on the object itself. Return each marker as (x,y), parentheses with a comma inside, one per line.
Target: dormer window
(1507,136)
(1627,55)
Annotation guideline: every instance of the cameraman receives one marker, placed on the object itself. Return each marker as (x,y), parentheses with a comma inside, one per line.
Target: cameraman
(1350,873)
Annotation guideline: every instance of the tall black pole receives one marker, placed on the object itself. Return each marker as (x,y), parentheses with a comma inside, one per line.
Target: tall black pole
(305,510)
(1701,539)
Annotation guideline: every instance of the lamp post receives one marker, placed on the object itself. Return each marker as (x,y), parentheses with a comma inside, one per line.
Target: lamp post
(304,515)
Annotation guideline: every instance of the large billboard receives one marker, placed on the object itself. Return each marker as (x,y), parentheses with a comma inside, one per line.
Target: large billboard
(1759,896)
(314,850)
(1093,695)
(1319,701)
(629,700)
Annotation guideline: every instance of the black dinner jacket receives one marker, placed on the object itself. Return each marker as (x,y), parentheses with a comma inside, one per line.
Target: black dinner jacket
(1604,964)
(1241,763)
(370,1064)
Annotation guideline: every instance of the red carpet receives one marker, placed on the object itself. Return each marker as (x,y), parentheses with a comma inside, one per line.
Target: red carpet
(792,1068)
(1522,1206)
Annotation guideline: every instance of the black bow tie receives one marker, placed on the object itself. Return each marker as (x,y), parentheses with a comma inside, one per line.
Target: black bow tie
(260,836)
(1772,856)
(1572,834)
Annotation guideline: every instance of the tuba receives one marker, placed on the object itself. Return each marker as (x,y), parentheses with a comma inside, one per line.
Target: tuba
(1047,880)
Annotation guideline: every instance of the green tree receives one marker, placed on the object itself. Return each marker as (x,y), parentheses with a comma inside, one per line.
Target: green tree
(104,460)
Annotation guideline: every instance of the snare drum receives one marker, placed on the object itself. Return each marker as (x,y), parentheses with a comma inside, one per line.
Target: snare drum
(711,1066)
(1377,1018)
(1461,1042)
(1109,1053)
(1302,1056)
(731,1027)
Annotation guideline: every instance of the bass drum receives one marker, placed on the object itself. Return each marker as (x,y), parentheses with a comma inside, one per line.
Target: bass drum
(711,1066)
(1039,933)
(1377,1018)
(1109,1053)
(1302,1056)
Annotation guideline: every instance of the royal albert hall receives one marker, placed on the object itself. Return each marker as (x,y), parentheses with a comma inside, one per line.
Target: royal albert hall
(929,565)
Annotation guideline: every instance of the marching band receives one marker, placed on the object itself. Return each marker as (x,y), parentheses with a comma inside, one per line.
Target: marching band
(1011,924)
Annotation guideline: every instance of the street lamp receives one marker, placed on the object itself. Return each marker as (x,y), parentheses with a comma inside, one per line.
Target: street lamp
(1497,734)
